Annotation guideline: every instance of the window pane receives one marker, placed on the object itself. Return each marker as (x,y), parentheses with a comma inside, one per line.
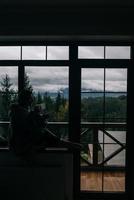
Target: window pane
(91,181)
(91,52)
(116,80)
(92,94)
(50,87)
(33,52)
(116,95)
(120,135)
(118,159)
(103,99)
(92,97)
(12,76)
(9,53)
(8,95)
(117,52)
(8,89)
(57,52)
(114,181)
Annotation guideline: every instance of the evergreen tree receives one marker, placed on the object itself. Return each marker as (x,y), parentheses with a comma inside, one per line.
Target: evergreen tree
(27,84)
(58,102)
(28,87)
(61,108)
(6,96)
(39,98)
(49,106)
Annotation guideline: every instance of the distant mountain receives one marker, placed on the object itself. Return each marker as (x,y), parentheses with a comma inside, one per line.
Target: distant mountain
(85,93)
(100,94)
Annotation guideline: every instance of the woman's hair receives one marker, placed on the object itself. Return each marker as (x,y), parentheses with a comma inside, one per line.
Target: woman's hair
(25,98)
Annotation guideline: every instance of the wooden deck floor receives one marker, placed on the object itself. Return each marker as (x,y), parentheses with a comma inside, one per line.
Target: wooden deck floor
(112,181)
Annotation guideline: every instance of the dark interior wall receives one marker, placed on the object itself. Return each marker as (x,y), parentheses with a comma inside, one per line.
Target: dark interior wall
(77,17)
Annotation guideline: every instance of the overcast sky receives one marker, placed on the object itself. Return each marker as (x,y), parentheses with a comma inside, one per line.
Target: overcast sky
(56,78)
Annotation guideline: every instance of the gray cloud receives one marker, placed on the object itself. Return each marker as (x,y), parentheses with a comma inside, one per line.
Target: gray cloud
(48,78)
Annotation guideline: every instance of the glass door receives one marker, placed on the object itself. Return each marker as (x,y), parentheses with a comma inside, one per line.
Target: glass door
(103,119)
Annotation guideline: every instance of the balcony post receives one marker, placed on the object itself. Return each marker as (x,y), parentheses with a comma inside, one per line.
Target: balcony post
(74,112)
(95,146)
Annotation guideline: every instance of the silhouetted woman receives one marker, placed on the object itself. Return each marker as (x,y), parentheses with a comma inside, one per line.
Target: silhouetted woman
(28,128)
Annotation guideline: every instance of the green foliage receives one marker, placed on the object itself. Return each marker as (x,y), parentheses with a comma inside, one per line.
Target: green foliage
(84,155)
(58,102)
(61,108)
(48,102)
(7,96)
(39,98)
(56,107)
(92,109)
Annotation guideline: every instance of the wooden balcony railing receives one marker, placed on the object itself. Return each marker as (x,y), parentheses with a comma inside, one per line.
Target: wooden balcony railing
(92,145)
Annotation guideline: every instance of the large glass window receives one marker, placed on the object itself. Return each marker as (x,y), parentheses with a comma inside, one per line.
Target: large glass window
(92,94)
(103,104)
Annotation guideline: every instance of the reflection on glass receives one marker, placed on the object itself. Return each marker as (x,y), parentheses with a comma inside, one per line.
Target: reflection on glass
(33,53)
(117,52)
(91,52)
(57,52)
(10,53)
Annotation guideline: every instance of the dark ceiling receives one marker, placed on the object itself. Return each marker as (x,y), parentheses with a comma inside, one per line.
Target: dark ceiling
(77,17)
(66,2)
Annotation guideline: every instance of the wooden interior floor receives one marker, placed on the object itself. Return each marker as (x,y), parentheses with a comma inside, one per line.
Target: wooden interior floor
(112,181)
